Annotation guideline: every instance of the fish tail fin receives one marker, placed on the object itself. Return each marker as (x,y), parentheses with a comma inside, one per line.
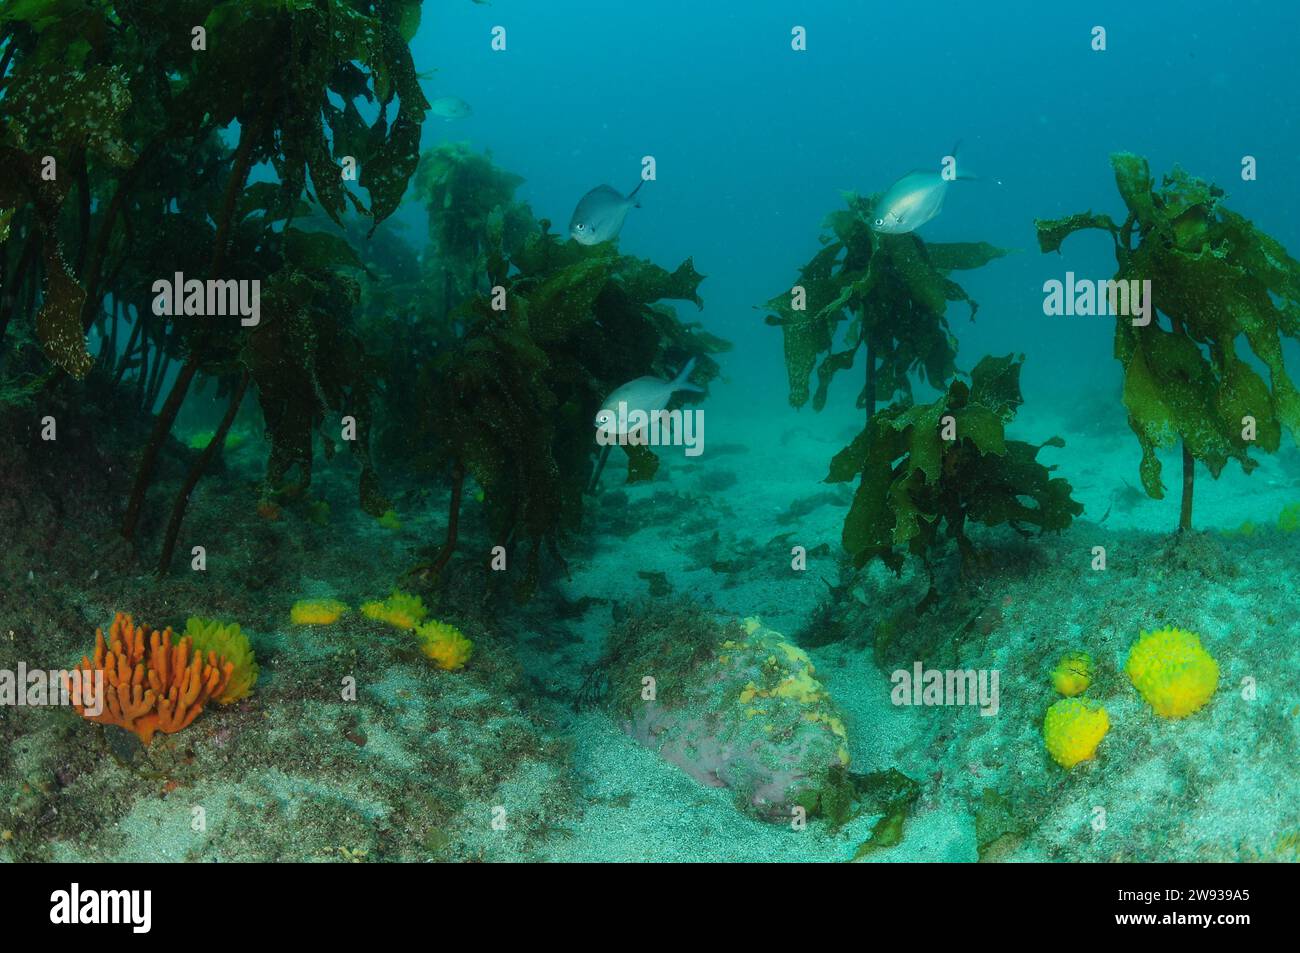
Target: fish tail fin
(681,381)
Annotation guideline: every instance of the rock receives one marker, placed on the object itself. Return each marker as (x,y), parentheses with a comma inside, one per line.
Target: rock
(736,707)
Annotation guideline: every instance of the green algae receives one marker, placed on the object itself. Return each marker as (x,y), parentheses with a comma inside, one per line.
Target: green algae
(510,404)
(893,290)
(1217,279)
(943,465)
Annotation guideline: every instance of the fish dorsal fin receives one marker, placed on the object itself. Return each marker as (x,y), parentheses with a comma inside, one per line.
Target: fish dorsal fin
(961,176)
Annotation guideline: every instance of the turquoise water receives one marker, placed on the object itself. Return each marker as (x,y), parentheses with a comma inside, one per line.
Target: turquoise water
(755,142)
(711,655)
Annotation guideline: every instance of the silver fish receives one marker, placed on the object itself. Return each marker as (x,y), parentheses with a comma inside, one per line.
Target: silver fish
(646,394)
(449,108)
(599,216)
(912,201)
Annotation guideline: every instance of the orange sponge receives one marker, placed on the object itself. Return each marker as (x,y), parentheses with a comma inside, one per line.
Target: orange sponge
(149,684)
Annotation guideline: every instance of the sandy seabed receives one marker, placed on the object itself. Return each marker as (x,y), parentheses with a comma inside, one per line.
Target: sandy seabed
(496,762)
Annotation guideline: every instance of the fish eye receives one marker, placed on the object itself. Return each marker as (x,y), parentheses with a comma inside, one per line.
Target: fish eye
(581,226)
(879,222)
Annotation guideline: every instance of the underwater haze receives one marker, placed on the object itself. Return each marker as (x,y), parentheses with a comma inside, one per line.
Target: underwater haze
(755,145)
(440,430)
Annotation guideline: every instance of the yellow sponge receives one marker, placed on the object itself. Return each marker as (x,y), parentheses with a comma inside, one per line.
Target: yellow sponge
(230,645)
(1072,730)
(1173,672)
(316,611)
(1073,674)
(445,644)
(400,609)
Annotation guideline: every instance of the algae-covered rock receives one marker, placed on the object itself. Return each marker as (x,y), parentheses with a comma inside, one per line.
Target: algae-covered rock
(734,706)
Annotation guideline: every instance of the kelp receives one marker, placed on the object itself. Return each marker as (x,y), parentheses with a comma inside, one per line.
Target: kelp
(139,123)
(471,210)
(151,184)
(892,293)
(24,372)
(892,290)
(56,297)
(400,327)
(512,404)
(303,360)
(917,488)
(311,369)
(1215,279)
(290,54)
